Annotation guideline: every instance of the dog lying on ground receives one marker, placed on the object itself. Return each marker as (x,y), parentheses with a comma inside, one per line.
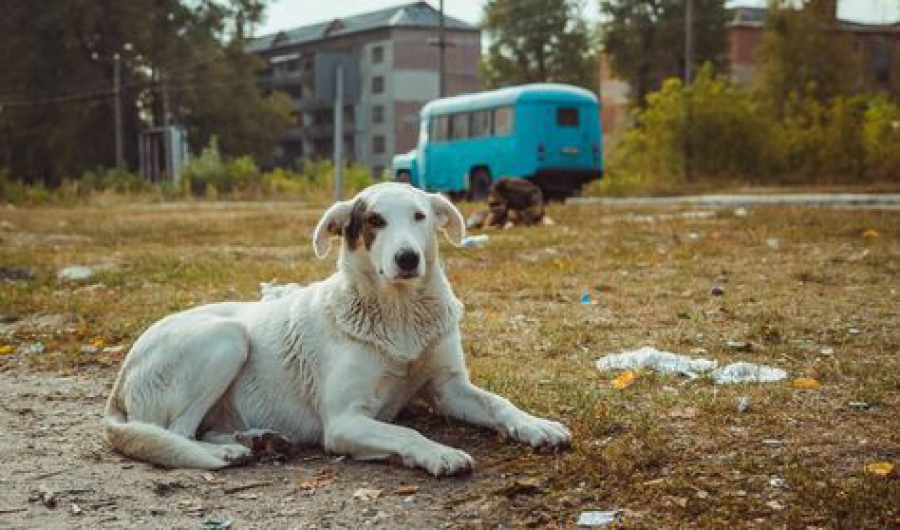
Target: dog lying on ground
(511,202)
(331,363)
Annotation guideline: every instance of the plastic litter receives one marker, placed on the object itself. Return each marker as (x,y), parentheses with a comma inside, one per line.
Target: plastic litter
(76,273)
(743,403)
(273,290)
(598,518)
(475,241)
(216,523)
(667,363)
(649,358)
(747,373)
(587,300)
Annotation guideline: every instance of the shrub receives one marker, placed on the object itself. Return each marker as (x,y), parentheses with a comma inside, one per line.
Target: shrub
(881,139)
(721,126)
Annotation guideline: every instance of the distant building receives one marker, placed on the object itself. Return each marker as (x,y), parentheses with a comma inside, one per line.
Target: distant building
(390,63)
(614,94)
(878,46)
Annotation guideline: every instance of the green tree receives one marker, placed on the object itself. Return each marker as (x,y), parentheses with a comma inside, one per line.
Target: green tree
(645,39)
(56,104)
(802,56)
(538,41)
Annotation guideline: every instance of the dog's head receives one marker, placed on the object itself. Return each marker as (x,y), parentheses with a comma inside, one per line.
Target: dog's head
(388,229)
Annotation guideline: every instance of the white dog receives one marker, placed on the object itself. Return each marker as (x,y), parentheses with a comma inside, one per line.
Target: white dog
(330,364)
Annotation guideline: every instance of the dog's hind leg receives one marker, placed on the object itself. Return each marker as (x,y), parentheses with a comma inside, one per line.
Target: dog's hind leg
(170,392)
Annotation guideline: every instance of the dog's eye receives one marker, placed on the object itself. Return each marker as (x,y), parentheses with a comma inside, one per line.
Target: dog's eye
(376,221)
(419,216)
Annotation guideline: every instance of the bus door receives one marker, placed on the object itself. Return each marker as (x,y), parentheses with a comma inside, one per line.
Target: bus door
(569,144)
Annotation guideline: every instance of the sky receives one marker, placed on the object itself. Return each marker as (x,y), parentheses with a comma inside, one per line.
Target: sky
(287,14)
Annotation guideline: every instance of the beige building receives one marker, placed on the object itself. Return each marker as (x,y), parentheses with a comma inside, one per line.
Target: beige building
(390,64)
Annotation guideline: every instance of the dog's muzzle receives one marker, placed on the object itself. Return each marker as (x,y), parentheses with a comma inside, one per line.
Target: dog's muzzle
(407,263)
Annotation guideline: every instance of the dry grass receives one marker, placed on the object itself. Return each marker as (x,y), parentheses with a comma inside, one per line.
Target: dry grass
(672,453)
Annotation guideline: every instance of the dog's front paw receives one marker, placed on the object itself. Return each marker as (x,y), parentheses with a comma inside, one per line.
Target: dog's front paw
(264,441)
(235,455)
(539,432)
(441,460)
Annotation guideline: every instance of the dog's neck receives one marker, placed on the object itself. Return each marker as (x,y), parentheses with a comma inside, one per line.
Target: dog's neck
(401,321)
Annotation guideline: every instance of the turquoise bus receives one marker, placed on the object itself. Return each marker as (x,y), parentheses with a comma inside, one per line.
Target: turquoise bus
(548,133)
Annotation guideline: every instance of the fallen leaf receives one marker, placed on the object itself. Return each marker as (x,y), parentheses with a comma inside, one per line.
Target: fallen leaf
(881,469)
(871,234)
(98,343)
(321,479)
(367,494)
(406,490)
(805,383)
(624,380)
(523,486)
(6,349)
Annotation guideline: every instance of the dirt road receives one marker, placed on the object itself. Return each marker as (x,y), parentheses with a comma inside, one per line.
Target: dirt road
(886,201)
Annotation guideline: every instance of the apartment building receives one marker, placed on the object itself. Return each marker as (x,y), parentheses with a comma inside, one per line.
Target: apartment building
(390,67)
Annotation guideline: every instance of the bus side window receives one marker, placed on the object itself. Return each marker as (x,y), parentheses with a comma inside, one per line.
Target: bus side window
(459,129)
(504,117)
(481,124)
(440,129)
(567,116)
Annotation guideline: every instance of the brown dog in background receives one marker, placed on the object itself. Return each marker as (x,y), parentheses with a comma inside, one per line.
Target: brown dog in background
(511,202)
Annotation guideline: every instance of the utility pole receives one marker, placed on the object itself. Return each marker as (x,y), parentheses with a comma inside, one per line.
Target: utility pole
(689,42)
(688,78)
(338,130)
(165,98)
(442,47)
(117,105)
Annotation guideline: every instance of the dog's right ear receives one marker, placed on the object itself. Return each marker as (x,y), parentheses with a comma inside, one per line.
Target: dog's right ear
(331,225)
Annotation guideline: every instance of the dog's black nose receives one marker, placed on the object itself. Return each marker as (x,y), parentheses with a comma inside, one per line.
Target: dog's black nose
(407,260)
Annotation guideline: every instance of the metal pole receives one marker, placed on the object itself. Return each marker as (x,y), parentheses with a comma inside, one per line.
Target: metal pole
(688,78)
(338,131)
(442,46)
(689,42)
(165,98)
(117,88)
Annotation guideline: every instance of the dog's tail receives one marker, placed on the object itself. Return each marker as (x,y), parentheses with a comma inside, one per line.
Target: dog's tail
(152,443)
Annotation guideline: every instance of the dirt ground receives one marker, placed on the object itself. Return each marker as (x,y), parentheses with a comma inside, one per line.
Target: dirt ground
(811,291)
(51,442)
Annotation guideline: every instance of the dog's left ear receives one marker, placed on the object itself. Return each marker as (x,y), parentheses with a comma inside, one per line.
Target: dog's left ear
(331,225)
(448,218)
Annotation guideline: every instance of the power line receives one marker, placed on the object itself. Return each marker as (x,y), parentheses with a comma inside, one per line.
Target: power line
(102,90)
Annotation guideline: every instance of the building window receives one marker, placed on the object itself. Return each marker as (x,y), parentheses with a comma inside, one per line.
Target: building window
(378,114)
(378,144)
(504,118)
(567,117)
(377,85)
(378,54)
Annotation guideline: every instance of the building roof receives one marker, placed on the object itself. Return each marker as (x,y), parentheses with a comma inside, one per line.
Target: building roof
(505,96)
(413,15)
(755,17)
(748,16)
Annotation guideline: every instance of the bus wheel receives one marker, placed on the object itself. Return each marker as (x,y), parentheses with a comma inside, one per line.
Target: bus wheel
(479,184)
(403,176)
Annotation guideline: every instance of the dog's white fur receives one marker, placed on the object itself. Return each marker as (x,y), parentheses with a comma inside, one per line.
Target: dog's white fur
(331,363)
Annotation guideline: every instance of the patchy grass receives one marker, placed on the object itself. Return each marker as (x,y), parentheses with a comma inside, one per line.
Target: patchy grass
(804,287)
